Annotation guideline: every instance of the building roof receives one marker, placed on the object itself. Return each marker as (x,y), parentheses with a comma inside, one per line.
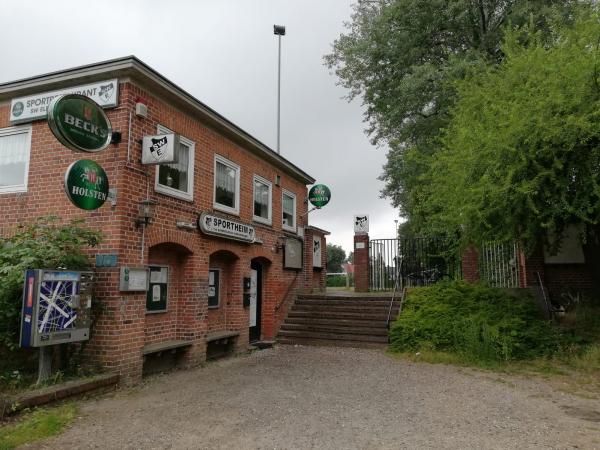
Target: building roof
(145,76)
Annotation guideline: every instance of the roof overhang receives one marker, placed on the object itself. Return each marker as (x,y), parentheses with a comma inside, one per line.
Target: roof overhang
(147,78)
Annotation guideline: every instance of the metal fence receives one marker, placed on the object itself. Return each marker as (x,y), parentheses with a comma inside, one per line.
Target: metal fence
(413,261)
(499,264)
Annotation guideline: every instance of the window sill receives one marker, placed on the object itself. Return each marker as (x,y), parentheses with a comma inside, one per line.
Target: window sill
(173,193)
(226,209)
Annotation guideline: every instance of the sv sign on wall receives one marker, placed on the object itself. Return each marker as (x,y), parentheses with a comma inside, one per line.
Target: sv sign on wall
(160,149)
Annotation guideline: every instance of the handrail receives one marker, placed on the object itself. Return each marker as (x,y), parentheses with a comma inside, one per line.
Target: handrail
(287,293)
(548,306)
(397,281)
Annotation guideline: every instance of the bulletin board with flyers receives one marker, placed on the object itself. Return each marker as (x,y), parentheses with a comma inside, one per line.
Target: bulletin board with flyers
(156,300)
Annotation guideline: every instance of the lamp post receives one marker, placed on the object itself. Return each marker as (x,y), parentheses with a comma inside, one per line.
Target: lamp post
(279,30)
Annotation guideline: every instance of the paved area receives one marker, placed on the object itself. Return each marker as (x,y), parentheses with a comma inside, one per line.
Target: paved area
(333,398)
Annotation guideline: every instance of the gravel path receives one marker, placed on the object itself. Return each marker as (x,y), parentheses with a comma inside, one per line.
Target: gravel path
(333,398)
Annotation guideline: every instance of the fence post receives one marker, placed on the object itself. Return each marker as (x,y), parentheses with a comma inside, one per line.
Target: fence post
(361,262)
(470,264)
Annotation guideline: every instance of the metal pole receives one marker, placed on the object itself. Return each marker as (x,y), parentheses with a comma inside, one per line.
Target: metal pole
(279,98)
(44,365)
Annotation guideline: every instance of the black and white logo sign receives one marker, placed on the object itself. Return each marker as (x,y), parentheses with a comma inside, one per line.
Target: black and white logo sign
(106,92)
(160,149)
(361,223)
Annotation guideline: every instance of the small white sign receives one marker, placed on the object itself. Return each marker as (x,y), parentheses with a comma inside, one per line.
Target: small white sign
(33,107)
(160,149)
(317,251)
(359,245)
(361,223)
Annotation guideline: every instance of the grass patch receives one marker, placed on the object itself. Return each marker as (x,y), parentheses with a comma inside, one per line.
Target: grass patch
(39,424)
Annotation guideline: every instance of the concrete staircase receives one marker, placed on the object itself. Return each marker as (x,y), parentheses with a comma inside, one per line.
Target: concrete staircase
(338,320)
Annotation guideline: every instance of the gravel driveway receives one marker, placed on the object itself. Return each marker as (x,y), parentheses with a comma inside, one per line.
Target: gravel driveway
(333,398)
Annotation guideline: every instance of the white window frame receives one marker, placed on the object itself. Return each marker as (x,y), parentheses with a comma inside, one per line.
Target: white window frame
(238,171)
(189,195)
(19,130)
(283,225)
(269,219)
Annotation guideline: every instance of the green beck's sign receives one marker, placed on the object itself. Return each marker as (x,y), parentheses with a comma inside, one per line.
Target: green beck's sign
(79,123)
(86,184)
(319,195)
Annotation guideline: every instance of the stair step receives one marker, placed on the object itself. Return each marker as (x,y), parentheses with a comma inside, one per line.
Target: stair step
(345,297)
(337,322)
(328,343)
(338,315)
(356,303)
(332,336)
(382,331)
(335,308)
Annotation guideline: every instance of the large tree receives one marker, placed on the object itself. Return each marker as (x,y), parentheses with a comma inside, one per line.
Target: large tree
(336,256)
(402,57)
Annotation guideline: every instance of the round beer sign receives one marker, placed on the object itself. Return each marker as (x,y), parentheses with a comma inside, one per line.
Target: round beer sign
(86,184)
(79,123)
(319,195)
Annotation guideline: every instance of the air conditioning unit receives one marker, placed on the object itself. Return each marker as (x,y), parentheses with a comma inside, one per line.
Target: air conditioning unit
(141,110)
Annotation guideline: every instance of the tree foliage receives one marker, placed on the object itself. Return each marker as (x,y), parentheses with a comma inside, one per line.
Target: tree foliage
(46,243)
(336,256)
(403,57)
(521,154)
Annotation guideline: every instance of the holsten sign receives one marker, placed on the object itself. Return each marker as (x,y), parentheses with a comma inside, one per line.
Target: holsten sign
(86,184)
(225,228)
(161,149)
(319,195)
(33,107)
(79,123)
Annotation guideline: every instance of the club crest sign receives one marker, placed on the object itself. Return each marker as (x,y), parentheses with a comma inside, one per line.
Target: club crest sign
(86,184)
(79,123)
(319,195)
(160,149)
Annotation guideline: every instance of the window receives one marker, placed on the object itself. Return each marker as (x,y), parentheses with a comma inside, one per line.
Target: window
(227,186)
(263,193)
(213,288)
(15,144)
(288,208)
(177,179)
(156,298)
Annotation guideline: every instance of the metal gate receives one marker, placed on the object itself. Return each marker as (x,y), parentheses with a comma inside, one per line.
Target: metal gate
(498,264)
(411,261)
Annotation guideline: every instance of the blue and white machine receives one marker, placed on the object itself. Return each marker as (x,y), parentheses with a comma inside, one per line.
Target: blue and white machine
(56,307)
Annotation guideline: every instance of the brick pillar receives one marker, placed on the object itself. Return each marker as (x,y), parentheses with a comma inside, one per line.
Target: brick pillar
(470,264)
(361,262)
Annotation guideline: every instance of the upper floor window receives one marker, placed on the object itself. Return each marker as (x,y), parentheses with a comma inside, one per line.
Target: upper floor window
(177,179)
(263,193)
(227,185)
(288,208)
(15,145)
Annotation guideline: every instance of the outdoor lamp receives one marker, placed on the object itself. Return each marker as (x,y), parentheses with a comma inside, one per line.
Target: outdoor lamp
(279,30)
(145,212)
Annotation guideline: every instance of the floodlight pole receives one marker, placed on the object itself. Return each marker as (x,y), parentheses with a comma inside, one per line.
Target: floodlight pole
(279,30)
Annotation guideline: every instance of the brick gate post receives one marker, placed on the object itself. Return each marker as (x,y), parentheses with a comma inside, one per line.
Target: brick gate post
(470,264)
(361,262)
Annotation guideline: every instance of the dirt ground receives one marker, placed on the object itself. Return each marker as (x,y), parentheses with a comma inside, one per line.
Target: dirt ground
(333,398)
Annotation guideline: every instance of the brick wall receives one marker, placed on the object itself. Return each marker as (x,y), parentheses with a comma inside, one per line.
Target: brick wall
(361,262)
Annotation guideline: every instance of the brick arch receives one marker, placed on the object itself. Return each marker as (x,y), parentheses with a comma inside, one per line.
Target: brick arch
(216,246)
(261,253)
(178,237)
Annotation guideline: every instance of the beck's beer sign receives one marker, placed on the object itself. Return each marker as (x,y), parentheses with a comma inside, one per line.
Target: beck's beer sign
(160,149)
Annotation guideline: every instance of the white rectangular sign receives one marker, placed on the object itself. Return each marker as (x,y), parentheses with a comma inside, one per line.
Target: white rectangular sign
(225,228)
(361,223)
(317,251)
(34,107)
(160,149)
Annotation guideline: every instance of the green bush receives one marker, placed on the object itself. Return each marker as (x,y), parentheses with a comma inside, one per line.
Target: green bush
(474,321)
(44,244)
(339,280)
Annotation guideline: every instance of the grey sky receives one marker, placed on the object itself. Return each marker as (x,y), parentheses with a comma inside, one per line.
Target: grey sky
(224,53)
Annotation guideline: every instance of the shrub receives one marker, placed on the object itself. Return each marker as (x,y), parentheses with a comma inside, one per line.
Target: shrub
(46,243)
(339,280)
(474,321)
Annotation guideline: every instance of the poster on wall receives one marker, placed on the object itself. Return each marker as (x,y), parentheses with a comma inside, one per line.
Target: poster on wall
(317,252)
(292,255)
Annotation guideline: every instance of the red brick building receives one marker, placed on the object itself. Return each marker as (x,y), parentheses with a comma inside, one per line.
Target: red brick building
(222,171)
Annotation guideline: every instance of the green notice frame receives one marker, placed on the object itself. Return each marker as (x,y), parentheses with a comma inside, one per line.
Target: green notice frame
(156,298)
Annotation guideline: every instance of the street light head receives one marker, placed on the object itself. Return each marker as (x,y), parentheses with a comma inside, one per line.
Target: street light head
(279,30)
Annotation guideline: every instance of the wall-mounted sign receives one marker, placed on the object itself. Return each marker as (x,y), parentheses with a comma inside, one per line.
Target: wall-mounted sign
(319,195)
(361,223)
(79,123)
(156,298)
(133,279)
(56,307)
(86,184)
(160,149)
(292,254)
(225,228)
(106,260)
(317,252)
(33,107)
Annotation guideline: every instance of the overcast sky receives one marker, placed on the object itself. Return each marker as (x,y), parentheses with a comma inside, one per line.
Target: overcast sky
(224,53)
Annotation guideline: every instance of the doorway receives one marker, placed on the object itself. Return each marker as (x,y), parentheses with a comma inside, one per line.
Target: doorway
(256,273)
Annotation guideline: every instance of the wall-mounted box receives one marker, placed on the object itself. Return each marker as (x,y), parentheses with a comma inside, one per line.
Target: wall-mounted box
(133,279)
